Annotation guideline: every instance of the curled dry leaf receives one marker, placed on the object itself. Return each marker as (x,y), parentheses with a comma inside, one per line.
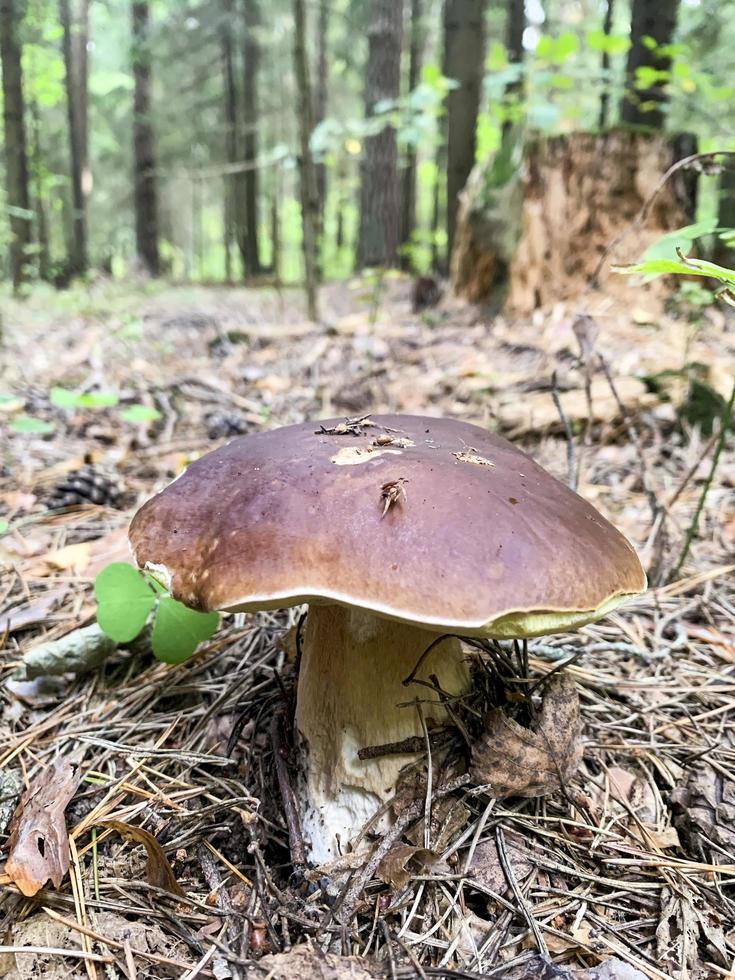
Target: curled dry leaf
(39,844)
(158,869)
(515,761)
(402,862)
(487,869)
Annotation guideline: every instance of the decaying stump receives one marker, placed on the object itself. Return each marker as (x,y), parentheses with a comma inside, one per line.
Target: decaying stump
(540,234)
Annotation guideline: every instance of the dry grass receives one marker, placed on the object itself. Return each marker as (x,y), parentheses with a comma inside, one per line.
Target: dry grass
(635,859)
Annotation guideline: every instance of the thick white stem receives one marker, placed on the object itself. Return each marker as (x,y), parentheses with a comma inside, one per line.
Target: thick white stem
(349,689)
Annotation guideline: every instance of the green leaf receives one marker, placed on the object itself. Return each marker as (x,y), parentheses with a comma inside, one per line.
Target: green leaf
(29,425)
(178,631)
(63,398)
(4,527)
(608,43)
(124,601)
(138,414)
(98,399)
(692,267)
(665,246)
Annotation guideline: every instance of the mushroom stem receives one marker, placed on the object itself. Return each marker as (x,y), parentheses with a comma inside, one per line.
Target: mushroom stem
(350,684)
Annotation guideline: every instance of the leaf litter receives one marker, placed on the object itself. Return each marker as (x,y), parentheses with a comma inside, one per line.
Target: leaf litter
(624,870)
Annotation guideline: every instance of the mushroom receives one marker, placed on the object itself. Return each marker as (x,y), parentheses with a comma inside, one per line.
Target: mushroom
(394,529)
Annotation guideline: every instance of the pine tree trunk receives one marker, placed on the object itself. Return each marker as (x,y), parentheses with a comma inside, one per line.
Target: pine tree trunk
(144,153)
(320,105)
(251,55)
(515,26)
(76,28)
(16,159)
(309,198)
(44,257)
(233,205)
(649,19)
(408,198)
(605,65)
(464,51)
(725,252)
(380,217)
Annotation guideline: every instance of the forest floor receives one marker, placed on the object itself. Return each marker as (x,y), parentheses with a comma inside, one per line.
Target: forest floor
(633,863)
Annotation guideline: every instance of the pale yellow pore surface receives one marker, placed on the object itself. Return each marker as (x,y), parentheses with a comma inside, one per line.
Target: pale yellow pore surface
(349,689)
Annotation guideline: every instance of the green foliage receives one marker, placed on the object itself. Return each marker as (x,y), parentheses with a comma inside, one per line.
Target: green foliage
(139,414)
(683,238)
(63,398)
(178,631)
(124,601)
(29,425)
(4,527)
(126,598)
(681,267)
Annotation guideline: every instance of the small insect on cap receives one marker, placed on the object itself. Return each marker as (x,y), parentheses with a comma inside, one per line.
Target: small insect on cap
(428,521)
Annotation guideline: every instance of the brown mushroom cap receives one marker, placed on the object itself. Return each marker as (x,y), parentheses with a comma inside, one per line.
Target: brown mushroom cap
(478,539)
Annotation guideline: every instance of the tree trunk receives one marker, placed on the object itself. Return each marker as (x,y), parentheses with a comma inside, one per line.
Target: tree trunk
(251,55)
(464,51)
(144,150)
(380,218)
(541,236)
(39,195)
(309,198)
(514,29)
(16,160)
(725,251)
(649,19)
(233,208)
(408,202)
(320,105)
(605,64)
(76,29)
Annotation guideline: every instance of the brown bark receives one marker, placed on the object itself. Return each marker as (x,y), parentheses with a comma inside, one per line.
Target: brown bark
(408,200)
(232,199)
(514,28)
(464,50)
(309,198)
(725,252)
(576,195)
(144,152)
(380,220)
(655,19)
(75,25)
(39,196)
(605,65)
(320,103)
(251,54)
(16,159)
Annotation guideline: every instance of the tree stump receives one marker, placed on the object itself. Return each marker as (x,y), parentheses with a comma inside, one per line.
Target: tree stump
(539,235)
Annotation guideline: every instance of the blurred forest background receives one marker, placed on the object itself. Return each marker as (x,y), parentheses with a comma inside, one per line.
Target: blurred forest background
(239,140)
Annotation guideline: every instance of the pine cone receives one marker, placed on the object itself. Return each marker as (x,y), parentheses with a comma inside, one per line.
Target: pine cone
(225,425)
(84,486)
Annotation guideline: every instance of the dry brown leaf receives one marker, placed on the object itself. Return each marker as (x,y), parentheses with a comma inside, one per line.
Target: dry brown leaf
(158,869)
(72,558)
(488,871)
(402,862)
(515,761)
(449,816)
(107,549)
(39,844)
